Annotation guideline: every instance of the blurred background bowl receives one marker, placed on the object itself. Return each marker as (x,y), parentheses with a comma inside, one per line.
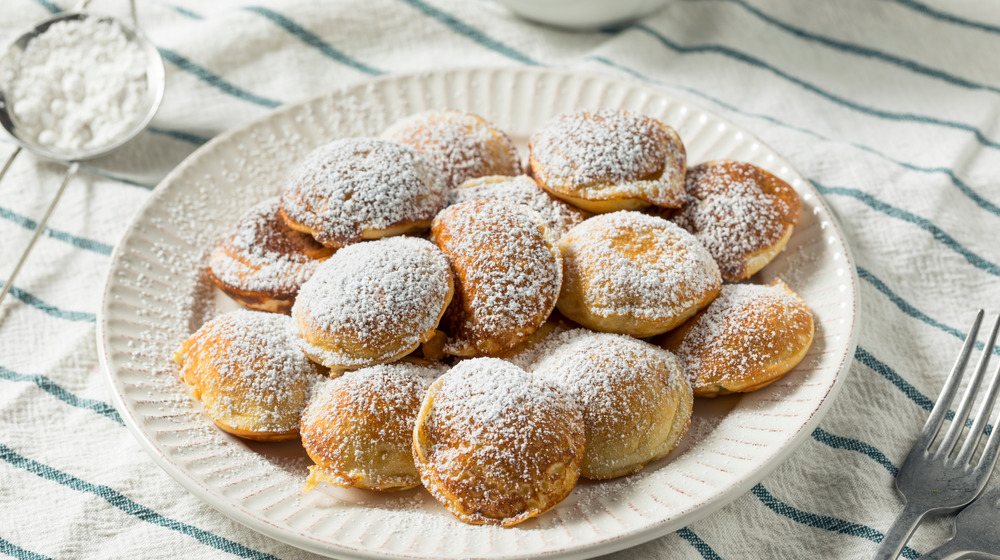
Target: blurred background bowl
(583,15)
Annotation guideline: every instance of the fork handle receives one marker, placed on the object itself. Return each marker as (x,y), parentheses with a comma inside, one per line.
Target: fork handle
(897,535)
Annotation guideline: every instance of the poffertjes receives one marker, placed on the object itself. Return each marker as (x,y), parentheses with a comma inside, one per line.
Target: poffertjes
(743,215)
(746,339)
(373,302)
(636,400)
(263,263)
(497,445)
(631,273)
(248,372)
(358,428)
(559,216)
(507,275)
(607,160)
(463,146)
(361,188)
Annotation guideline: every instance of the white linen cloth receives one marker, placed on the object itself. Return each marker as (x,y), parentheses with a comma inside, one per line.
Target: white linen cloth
(890,108)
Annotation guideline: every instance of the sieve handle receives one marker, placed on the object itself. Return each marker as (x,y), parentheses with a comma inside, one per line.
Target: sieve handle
(40,227)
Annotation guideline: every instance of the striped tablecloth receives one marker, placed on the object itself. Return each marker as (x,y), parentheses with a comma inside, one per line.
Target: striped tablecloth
(889,108)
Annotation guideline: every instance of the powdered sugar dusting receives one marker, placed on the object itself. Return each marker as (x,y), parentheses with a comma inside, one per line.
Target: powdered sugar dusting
(733,214)
(636,265)
(496,432)
(559,216)
(508,275)
(611,152)
(248,371)
(360,425)
(625,386)
(742,333)
(353,185)
(375,297)
(265,255)
(462,145)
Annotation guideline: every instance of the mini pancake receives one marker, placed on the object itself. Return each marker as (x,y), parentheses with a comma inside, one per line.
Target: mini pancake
(462,145)
(358,428)
(246,369)
(373,302)
(636,400)
(497,445)
(507,275)
(631,273)
(559,217)
(263,263)
(607,160)
(748,338)
(361,188)
(743,214)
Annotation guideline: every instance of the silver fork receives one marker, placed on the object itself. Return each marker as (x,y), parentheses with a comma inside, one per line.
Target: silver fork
(943,481)
(975,531)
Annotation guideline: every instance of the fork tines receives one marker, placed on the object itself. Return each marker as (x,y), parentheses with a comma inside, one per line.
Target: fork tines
(960,421)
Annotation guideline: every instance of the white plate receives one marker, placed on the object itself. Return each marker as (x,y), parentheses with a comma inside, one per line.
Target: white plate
(157,294)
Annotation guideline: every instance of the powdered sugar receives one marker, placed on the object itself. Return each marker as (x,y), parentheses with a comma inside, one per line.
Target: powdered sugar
(559,217)
(248,371)
(79,85)
(728,209)
(502,441)
(359,426)
(629,390)
(632,264)
(371,300)
(741,334)
(265,255)
(352,188)
(508,275)
(606,153)
(461,145)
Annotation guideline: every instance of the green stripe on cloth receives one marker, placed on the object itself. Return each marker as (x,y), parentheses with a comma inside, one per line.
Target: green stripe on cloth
(887,372)
(922,223)
(50,6)
(859,50)
(470,32)
(80,242)
(14,551)
(127,505)
(48,308)
(944,16)
(850,444)
(214,80)
(823,521)
(312,39)
(758,63)
(701,546)
(52,388)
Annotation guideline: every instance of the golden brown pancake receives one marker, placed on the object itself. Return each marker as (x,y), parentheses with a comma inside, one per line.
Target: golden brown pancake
(496,445)
(607,160)
(373,302)
(361,188)
(559,216)
(748,338)
(263,263)
(636,400)
(248,372)
(358,428)
(462,145)
(507,275)
(631,273)
(743,215)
